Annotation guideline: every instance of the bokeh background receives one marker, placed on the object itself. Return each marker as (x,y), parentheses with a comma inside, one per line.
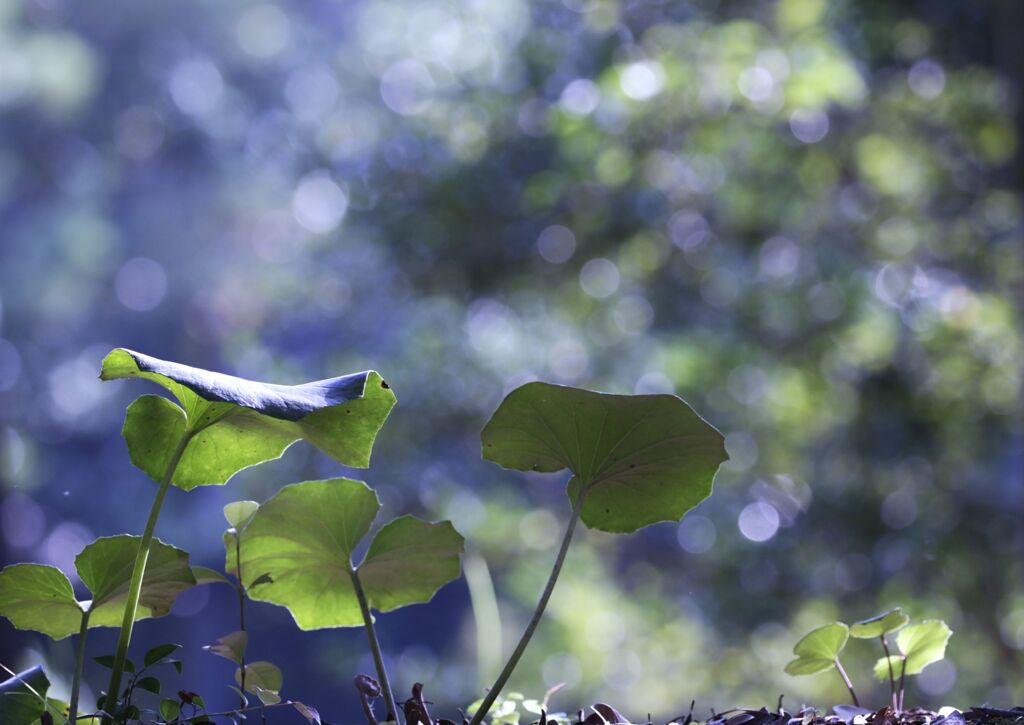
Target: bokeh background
(802,216)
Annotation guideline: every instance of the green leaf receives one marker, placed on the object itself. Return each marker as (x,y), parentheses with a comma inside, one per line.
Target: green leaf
(108,662)
(105,566)
(885,623)
(159,652)
(310,713)
(149,684)
(232,646)
(239,513)
(237,423)
(19,705)
(640,458)
(262,679)
(297,552)
(40,598)
(205,575)
(818,649)
(921,645)
(169,709)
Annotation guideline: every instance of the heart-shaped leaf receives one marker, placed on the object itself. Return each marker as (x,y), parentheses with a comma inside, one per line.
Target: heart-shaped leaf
(640,459)
(40,598)
(877,626)
(921,645)
(20,697)
(262,679)
(233,423)
(818,649)
(238,513)
(231,646)
(297,552)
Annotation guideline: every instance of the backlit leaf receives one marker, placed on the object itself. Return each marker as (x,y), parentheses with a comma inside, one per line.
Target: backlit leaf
(231,646)
(877,626)
(921,644)
(262,679)
(818,649)
(641,458)
(20,702)
(297,551)
(237,423)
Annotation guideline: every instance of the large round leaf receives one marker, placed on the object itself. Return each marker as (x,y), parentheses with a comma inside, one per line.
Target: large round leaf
(818,649)
(640,458)
(921,645)
(236,423)
(891,621)
(297,552)
(40,598)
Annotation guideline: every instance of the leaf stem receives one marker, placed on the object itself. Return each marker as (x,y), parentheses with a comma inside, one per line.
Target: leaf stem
(241,614)
(892,678)
(846,681)
(492,694)
(76,682)
(903,675)
(371,634)
(135,587)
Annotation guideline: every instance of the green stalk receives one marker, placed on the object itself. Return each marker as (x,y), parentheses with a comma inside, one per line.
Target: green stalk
(542,604)
(241,613)
(378,658)
(846,681)
(892,678)
(135,588)
(76,682)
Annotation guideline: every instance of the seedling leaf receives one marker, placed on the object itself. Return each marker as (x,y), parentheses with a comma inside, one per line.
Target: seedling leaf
(817,650)
(231,646)
(239,513)
(891,621)
(921,645)
(159,652)
(297,551)
(642,458)
(237,423)
(262,679)
(40,598)
(19,705)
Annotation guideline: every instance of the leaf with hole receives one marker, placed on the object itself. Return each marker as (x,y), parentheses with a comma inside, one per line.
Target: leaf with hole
(297,552)
(818,649)
(639,459)
(885,623)
(920,644)
(229,423)
(40,598)
(262,679)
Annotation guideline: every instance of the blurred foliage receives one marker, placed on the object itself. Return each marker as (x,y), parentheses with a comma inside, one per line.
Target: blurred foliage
(797,214)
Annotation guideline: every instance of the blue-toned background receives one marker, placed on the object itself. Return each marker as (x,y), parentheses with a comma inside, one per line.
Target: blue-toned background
(802,216)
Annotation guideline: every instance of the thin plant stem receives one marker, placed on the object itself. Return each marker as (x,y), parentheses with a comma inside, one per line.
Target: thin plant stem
(846,681)
(892,678)
(903,675)
(531,626)
(76,682)
(241,613)
(135,588)
(378,658)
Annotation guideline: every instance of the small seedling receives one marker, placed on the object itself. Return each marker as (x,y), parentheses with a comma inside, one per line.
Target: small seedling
(40,598)
(879,626)
(296,551)
(818,651)
(223,424)
(920,645)
(635,460)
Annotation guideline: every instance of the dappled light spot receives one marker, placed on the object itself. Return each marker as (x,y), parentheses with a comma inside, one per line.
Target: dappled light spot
(22,520)
(599,278)
(319,204)
(696,534)
(556,244)
(197,86)
(758,521)
(141,284)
